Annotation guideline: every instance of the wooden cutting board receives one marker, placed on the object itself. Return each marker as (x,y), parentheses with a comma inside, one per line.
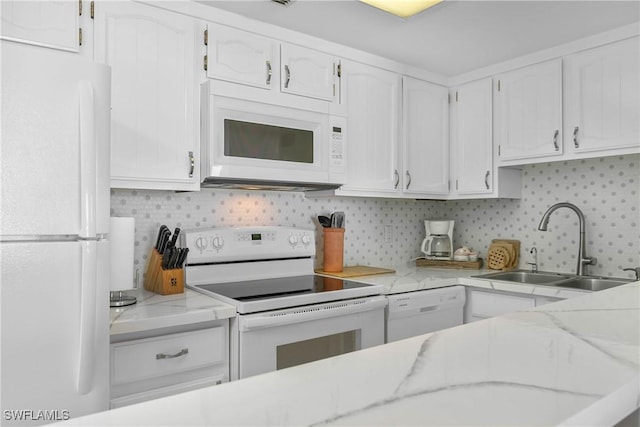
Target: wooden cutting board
(443,263)
(356,270)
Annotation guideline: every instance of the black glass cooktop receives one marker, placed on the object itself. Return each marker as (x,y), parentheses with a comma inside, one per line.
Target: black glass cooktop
(282,287)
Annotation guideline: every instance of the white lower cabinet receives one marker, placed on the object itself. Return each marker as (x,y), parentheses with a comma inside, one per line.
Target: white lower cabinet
(483,304)
(148,368)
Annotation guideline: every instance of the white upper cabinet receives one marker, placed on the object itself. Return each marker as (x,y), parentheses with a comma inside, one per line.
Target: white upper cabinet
(154,114)
(602,99)
(241,57)
(307,72)
(472,142)
(372,97)
(528,112)
(54,24)
(425,144)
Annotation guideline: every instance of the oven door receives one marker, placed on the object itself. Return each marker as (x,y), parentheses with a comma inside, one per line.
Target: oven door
(283,338)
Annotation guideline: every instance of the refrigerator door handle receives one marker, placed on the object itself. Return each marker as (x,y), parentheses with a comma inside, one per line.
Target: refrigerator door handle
(89,280)
(88,161)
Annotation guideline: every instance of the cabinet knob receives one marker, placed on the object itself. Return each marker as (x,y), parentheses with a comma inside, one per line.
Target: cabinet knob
(486,180)
(408,179)
(575,137)
(397,175)
(555,140)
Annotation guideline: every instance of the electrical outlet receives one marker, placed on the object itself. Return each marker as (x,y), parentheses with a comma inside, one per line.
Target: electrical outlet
(388,233)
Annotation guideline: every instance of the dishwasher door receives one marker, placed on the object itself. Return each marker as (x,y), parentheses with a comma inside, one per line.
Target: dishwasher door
(421,312)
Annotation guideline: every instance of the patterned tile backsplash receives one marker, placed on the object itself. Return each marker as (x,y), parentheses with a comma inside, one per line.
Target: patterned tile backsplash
(605,189)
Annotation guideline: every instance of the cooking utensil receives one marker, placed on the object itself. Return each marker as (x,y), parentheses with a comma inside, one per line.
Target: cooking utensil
(337,219)
(324,221)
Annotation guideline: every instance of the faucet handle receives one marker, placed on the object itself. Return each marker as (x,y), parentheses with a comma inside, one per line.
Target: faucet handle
(634,269)
(589,260)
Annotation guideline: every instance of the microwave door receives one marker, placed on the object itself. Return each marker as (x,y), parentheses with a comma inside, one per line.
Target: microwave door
(253,141)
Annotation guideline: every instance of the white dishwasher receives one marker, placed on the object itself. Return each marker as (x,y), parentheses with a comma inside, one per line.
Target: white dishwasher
(416,313)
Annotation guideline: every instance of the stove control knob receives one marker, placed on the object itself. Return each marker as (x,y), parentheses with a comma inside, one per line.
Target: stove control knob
(201,243)
(306,239)
(293,239)
(217,242)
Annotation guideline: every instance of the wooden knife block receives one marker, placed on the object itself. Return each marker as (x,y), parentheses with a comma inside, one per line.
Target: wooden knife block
(163,282)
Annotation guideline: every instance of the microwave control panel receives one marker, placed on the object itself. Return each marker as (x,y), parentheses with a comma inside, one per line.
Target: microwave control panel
(338,148)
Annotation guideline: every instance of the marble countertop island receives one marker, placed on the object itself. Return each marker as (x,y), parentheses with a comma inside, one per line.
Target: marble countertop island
(573,362)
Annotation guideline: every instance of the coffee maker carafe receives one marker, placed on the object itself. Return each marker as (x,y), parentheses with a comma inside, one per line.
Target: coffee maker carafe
(439,241)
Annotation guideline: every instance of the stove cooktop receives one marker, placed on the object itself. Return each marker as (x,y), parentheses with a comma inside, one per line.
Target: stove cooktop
(283,292)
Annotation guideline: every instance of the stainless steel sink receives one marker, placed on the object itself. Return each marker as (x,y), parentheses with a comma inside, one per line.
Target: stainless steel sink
(588,283)
(522,276)
(592,283)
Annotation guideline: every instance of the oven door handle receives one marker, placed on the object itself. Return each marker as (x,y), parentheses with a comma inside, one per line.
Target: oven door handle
(310,313)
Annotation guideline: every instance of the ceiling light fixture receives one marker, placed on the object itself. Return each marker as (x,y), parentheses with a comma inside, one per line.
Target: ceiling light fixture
(402,8)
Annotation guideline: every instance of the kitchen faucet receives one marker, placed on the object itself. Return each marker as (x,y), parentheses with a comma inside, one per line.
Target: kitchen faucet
(582,258)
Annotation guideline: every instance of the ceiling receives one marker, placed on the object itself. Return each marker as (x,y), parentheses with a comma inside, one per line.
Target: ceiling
(449,39)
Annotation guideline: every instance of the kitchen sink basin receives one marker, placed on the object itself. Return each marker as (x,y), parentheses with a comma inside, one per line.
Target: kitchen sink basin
(587,283)
(522,276)
(592,283)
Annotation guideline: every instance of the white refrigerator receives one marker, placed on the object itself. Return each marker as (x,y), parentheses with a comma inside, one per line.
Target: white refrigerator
(54,245)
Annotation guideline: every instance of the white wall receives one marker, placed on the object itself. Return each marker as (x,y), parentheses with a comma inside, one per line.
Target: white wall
(605,189)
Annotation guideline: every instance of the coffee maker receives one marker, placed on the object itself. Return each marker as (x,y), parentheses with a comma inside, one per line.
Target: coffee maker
(439,241)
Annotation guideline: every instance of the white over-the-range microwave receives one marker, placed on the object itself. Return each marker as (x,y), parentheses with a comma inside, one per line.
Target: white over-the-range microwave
(252,144)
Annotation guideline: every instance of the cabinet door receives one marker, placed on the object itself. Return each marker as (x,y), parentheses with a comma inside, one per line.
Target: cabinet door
(307,72)
(241,57)
(602,97)
(483,305)
(372,98)
(44,23)
(472,138)
(426,137)
(529,112)
(154,134)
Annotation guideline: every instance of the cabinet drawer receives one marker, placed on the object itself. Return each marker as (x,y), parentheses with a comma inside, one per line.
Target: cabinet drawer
(165,355)
(166,391)
(489,305)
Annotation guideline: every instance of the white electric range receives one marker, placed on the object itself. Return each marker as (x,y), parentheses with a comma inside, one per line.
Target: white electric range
(286,315)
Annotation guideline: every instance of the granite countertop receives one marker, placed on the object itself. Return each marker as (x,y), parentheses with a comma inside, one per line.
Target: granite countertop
(153,311)
(573,362)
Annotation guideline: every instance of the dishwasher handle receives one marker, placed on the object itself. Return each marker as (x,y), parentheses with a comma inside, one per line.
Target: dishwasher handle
(310,313)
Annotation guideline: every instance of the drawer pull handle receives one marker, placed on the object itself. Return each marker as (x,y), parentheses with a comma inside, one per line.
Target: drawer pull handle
(171,356)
